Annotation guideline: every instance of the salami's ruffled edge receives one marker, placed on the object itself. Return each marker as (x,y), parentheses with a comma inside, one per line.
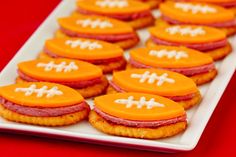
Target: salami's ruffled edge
(43,111)
(138,123)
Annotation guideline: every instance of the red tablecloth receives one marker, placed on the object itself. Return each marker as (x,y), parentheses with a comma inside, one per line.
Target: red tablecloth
(18,21)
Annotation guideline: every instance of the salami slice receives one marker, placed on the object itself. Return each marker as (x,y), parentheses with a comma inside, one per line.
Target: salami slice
(43,112)
(185,71)
(201,47)
(105,37)
(139,124)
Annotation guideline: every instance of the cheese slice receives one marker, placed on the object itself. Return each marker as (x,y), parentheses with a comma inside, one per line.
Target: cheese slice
(154,81)
(187,34)
(170,57)
(196,13)
(112,6)
(95,25)
(84,49)
(40,94)
(60,70)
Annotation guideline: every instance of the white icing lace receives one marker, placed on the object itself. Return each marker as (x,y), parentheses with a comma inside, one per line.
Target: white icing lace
(186,30)
(195,8)
(40,91)
(152,78)
(112,3)
(58,67)
(129,102)
(86,44)
(98,23)
(168,53)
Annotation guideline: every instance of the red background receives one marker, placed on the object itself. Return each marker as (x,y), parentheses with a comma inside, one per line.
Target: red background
(19,19)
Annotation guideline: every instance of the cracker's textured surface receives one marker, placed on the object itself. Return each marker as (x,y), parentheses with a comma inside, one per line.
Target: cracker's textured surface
(45,121)
(186,103)
(129,43)
(204,77)
(145,133)
(94,90)
(113,66)
(125,44)
(87,92)
(199,79)
(216,54)
(192,102)
(220,53)
(142,22)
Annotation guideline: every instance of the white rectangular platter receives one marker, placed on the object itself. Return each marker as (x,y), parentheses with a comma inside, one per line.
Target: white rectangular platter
(197,116)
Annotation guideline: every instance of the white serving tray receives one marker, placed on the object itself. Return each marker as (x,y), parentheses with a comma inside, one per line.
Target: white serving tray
(198,116)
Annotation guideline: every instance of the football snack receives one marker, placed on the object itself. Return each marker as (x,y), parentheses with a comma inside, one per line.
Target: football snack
(42,103)
(209,40)
(137,115)
(194,64)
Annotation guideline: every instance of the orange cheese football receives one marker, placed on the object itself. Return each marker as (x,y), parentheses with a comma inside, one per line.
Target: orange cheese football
(107,56)
(98,27)
(137,112)
(42,103)
(136,14)
(82,76)
(189,62)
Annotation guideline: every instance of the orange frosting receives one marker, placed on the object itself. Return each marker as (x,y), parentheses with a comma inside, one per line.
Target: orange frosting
(130,7)
(84,49)
(180,86)
(219,15)
(66,97)
(82,70)
(168,110)
(73,23)
(149,56)
(210,34)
